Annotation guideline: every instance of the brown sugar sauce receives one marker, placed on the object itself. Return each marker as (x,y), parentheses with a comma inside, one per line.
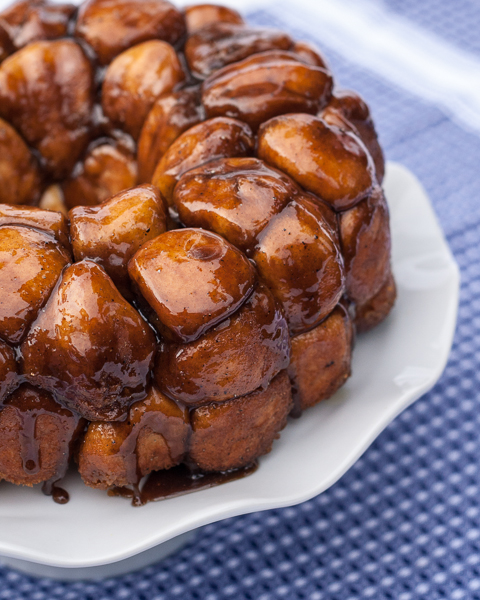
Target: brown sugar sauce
(177,481)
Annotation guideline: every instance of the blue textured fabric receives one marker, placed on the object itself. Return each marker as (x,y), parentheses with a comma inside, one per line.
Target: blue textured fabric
(455,20)
(404,522)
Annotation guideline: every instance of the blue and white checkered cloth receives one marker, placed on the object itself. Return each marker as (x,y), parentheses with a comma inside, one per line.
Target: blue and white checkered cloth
(404,522)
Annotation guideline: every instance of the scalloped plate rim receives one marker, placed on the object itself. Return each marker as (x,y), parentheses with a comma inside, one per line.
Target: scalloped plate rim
(238,500)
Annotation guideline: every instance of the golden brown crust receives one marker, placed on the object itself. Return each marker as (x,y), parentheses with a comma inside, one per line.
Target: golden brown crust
(235,358)
(154,437)
(112,232)
(135,79)
(112,26)
(216,138)
(372,312)
(321,359)
(233,434)
(46,93)
(106,170)
(235,197)
(365,240)
(329,162)
(200,15)
(36,437)
(171,115)
(265,85)
(220,44)
(89,346)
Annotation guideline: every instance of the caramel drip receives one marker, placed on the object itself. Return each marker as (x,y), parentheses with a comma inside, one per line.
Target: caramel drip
(178,481)
(158,423)
(296,411)
(29,449)
(50,487)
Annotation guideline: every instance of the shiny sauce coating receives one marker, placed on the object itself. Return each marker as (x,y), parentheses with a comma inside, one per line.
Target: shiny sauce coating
(298,258)
(37,437)
(112,26)
(216,367)
(264,86)
(165,268)
(235,197)
(212,139)
(30,264)
(220,44)
(112,232)
(329,162)
(89,346)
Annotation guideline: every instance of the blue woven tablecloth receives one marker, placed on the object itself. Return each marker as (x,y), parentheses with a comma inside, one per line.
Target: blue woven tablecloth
(404,522)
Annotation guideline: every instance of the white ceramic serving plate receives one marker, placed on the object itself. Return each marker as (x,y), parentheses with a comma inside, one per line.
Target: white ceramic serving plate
(392,366)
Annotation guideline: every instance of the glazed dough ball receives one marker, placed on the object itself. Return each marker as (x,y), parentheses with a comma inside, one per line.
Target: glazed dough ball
(89,346)
(217,367)
(46,93)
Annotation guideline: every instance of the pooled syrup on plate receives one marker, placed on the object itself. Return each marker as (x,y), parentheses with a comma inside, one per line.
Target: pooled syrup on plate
(177,482)
(58,494)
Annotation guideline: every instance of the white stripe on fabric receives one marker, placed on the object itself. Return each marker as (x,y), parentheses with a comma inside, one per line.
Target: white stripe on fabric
(367,33)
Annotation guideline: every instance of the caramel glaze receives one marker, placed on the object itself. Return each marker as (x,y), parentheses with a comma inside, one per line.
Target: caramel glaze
(40,433)
(135,79)
(219,44)
(20,177)
(29,20)
(310,54)
(89,346)
(31,262)
(216,366)
(112,232)
(366,244)
(164,268)
(154,437)
(331,163)
(265,85)
(112,26)
(234,197)
(161,433)
(171,115)
(349,111)
(301,263)
(178,481)
(294,78)
(53,223)
(159,423)
(107,169)
(46,93)
(6,44)
(198,16)
(212,139)
(8,371)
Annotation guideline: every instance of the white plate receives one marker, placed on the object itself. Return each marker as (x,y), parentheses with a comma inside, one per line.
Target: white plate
(393,366)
